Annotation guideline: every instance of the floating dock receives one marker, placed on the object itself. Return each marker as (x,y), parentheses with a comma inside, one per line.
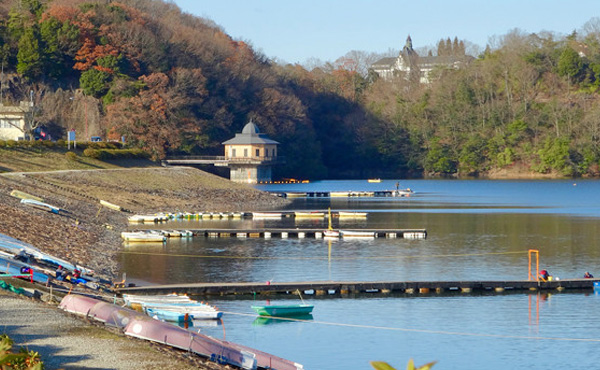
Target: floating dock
(301,233)
(345,194)
(342,288)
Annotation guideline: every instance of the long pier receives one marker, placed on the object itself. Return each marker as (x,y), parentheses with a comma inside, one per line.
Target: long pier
(303,233)
(345,288)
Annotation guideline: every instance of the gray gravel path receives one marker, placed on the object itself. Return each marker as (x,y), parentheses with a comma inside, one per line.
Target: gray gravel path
(66,342)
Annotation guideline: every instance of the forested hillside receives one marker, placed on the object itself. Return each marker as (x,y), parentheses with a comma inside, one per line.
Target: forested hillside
(172,83)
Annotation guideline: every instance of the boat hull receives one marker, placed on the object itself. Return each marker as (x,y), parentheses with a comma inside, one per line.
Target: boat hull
(357,234)
(283,310)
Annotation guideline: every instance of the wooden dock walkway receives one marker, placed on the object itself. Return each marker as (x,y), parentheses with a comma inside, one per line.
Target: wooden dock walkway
(302,233)
(345,288)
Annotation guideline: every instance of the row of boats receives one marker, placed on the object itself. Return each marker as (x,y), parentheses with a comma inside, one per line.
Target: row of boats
(143,326)
(175,308)
(308,214)
(163,217)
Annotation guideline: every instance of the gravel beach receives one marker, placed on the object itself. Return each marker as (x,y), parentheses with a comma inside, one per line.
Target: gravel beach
(88,234)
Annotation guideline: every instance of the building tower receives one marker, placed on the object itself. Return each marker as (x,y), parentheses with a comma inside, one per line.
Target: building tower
(250,155)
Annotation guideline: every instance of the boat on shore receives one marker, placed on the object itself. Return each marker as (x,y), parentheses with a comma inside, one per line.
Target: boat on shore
(347,234)
(216,350)
(374,180)
(284,310)
(41,205)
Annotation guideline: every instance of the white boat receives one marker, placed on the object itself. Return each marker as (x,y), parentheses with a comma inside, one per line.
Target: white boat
(143,218)
(402,192)
(331,233)
(356,234)
(165,298)
(198,311)
(314,214)
(141,236)
(347,214)
(41,205)
(339,194)
(267,214)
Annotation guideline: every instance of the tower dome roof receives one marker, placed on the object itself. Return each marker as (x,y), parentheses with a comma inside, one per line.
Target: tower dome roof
(250,128)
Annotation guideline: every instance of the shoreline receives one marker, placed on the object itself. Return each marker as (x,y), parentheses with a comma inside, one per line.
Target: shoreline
(88,234)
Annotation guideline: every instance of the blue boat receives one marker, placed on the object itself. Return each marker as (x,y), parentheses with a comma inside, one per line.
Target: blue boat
(166,315)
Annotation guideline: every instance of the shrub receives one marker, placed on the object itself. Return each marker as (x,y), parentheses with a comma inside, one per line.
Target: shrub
(71,156)
(11,143)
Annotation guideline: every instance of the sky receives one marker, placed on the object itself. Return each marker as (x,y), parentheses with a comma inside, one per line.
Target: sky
(295,31)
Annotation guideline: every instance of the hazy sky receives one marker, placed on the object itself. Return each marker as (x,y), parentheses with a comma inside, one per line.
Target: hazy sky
(296,30)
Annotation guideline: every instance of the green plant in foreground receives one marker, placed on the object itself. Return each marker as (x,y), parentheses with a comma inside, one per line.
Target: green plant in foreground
(379,365)
(24,360)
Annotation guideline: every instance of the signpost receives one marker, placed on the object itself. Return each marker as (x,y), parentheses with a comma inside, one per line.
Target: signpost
(71,137)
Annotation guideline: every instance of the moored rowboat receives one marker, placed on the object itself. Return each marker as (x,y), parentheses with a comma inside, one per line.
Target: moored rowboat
(284,310)
(357,234)
(139,236)
(267,214)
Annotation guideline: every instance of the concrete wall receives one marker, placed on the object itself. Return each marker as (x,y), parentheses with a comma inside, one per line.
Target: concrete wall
(250,174)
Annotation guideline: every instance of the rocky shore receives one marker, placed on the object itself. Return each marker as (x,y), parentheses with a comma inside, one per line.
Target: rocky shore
(88,234)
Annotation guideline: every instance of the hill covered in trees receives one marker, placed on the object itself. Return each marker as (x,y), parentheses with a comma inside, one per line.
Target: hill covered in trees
(172,83)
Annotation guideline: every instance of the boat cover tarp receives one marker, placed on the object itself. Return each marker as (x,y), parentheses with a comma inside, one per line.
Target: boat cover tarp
(113,315)
(267,360)
(175,336)
(78,304)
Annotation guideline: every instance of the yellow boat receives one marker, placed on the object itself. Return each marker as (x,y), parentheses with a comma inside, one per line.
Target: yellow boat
(374,180)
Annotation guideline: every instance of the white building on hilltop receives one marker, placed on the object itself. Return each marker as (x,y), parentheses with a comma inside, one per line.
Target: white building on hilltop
(409,65)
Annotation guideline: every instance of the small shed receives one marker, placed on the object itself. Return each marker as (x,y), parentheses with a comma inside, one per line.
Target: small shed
(14,121)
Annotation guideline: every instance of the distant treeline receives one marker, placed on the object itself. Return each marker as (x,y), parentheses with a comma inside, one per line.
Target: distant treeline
(172,83)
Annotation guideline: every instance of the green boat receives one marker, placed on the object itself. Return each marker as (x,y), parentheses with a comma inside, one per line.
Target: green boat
(284,310)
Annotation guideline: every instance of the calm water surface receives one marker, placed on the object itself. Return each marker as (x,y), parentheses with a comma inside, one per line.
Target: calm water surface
(476,230)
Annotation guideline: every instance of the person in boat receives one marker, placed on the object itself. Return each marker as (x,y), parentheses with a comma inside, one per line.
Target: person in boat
(544,275)
(587,275)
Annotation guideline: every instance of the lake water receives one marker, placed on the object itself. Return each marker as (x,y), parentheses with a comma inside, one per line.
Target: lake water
(477,230)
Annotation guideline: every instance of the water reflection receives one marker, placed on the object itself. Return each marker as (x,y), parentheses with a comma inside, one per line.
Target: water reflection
(262,320)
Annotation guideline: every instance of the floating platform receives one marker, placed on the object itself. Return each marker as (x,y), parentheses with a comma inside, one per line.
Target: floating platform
(345,194)
(342,288)
(302,233)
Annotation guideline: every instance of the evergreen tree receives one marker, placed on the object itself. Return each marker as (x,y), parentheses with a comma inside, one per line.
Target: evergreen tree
(29,63)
